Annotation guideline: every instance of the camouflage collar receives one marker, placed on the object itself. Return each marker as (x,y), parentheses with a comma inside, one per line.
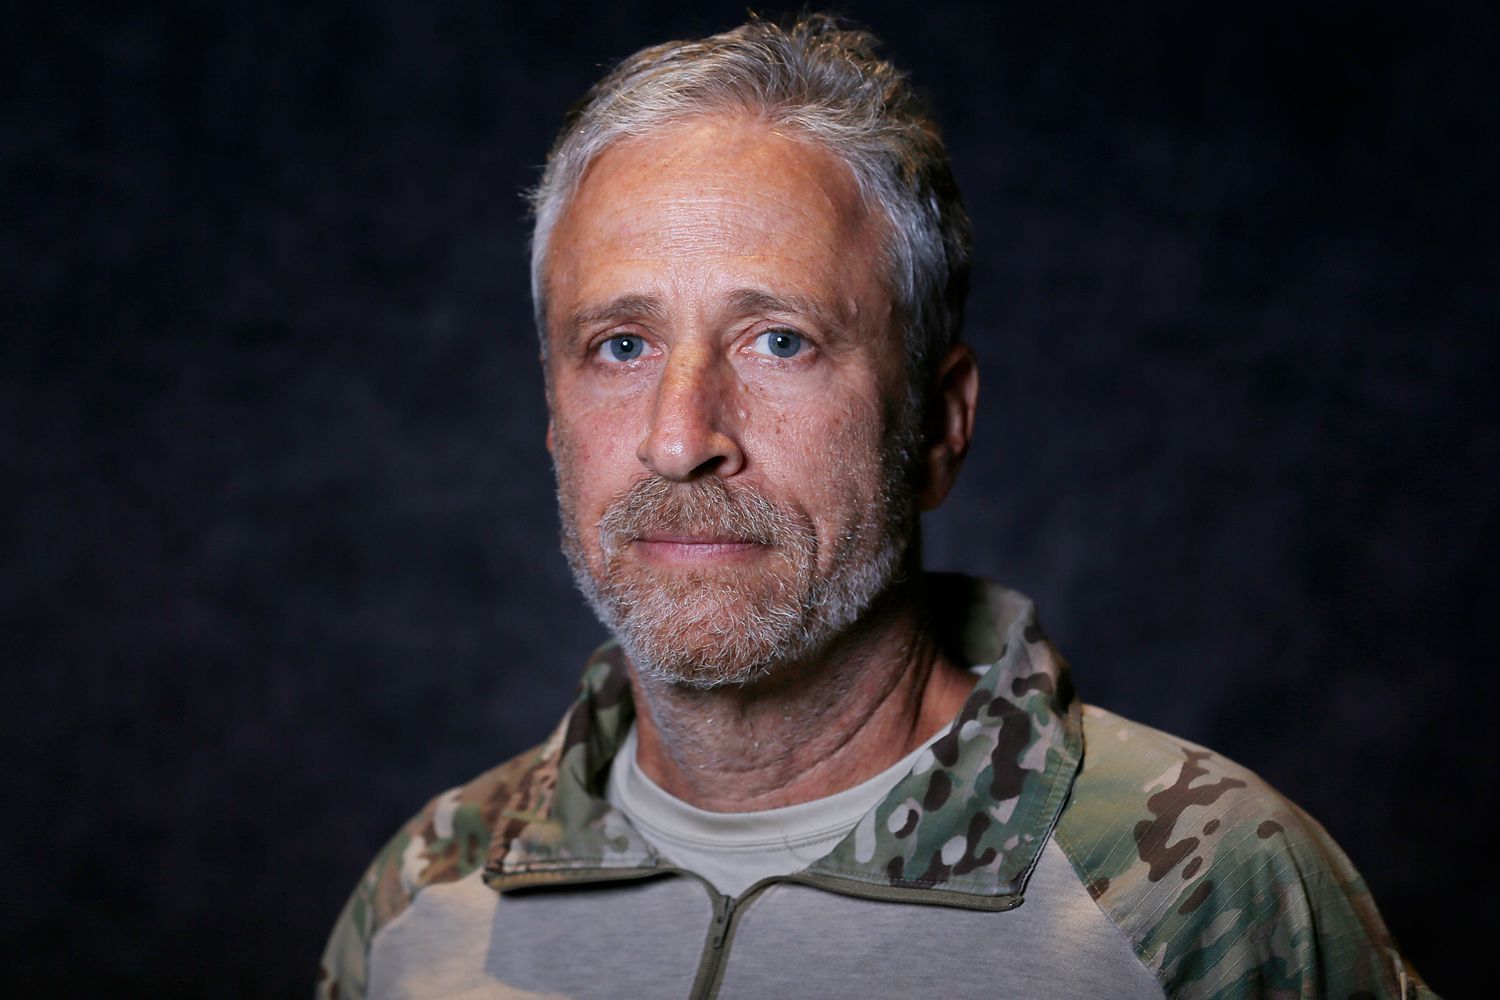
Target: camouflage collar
(964,828)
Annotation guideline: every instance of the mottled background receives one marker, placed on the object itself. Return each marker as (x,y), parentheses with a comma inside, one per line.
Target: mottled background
(278,544)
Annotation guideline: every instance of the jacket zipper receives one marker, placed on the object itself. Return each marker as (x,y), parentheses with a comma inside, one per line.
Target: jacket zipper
(720,936)
(711,962)
(723,910)
(706,983)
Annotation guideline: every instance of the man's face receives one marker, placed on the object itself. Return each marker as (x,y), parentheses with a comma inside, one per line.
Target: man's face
(727,386)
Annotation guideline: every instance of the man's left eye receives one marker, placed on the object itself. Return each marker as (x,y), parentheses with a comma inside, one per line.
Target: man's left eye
(778,343)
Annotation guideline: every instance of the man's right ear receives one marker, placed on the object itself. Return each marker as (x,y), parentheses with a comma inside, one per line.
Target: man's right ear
(549,436)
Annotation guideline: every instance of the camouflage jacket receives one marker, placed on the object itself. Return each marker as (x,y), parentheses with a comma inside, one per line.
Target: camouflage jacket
(526,883)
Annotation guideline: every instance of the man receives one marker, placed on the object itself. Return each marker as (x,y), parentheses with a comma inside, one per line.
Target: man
(804,768)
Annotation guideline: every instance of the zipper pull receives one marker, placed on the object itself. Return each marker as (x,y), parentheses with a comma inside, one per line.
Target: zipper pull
(723,907)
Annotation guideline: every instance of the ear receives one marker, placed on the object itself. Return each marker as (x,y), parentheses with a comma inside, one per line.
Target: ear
(547,395)
(949,423)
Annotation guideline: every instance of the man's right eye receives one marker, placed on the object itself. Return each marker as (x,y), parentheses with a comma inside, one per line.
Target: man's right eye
(622,348)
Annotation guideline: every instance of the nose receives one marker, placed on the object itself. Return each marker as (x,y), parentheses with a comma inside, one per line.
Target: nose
(690,435)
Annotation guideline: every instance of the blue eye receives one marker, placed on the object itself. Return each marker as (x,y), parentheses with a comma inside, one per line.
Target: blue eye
(779,343)
(623,348)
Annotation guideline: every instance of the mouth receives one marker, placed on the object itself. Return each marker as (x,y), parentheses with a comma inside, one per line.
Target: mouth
(695,549)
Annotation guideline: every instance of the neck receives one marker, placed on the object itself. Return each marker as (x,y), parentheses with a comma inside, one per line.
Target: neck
(811,728)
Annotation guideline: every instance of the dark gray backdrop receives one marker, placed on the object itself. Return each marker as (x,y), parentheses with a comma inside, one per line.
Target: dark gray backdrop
(278,548)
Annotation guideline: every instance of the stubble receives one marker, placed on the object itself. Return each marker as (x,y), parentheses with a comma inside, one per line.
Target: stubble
(735,624)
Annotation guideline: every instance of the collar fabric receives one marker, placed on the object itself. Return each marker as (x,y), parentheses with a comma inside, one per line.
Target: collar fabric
(964,828)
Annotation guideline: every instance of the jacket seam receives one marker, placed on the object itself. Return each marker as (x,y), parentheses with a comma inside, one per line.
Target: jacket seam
(1083,879)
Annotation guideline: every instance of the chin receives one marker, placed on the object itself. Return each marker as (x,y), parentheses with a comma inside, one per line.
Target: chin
(698,675)
(705,634)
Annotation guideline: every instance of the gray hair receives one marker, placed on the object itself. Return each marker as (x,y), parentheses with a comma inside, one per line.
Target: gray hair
(826,82)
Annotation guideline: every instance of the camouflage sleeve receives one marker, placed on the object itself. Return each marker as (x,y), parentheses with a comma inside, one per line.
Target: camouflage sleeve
(1226,890)
(444,842)
(378,898)
(375,900)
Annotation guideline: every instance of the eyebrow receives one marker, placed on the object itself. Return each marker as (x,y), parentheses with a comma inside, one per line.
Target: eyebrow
(742,302)
(624,307)
(755,300)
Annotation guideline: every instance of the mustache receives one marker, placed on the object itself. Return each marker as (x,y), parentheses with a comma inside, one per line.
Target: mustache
(703,507)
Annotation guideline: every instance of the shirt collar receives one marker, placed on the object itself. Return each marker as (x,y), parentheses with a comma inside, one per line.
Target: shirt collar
(965,827)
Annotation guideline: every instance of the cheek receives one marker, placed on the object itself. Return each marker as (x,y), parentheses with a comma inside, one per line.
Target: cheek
(594,460)
(827,454)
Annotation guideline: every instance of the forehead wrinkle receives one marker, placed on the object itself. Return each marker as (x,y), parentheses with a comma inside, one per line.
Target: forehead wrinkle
(716,208)
(831,190)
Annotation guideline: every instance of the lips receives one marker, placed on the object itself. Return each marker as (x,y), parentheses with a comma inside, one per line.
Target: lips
(704,519)
(670,539)
(690,549)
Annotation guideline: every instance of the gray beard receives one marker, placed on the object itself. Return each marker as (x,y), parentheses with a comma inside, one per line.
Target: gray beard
(734,626)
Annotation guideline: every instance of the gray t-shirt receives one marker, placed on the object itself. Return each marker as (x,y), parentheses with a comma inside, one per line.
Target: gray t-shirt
(733,851)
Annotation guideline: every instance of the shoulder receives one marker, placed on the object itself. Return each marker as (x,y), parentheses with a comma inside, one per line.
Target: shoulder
(1170,795)
(448,839)
(1223,886)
